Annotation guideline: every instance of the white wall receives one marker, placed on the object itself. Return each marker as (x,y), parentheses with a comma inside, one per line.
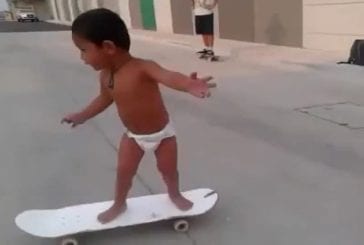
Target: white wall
(163,15)
(110,4)
(124,10)
(332,24)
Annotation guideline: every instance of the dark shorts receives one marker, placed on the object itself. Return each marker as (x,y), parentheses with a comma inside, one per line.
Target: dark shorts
(204,24)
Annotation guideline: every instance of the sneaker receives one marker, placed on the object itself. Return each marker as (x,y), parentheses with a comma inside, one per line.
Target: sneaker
(204,51)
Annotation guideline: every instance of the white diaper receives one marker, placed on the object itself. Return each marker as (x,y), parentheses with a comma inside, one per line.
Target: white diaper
(150,142)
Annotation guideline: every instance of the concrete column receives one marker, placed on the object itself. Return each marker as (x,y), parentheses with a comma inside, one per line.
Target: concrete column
(124,10)
(94,4)
(62,16)
(70,7)
(135,14)
(54,9)
(163,16)
(216,22)
(81,6)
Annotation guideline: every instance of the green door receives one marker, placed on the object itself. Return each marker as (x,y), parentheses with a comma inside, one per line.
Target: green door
(148,18)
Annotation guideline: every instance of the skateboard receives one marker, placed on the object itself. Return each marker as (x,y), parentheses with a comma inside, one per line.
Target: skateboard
(211,58)
(68,222)
(206,56)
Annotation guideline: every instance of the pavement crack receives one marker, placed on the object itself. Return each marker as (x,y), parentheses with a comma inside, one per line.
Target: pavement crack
(111,144)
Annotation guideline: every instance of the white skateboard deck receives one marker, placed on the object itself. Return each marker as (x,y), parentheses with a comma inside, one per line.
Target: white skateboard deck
(83,218)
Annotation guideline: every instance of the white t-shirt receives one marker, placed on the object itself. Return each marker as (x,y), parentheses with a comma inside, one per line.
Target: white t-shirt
(203,7)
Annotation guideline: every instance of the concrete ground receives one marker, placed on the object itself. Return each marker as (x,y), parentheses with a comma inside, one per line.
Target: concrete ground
(14,26)
(284,177)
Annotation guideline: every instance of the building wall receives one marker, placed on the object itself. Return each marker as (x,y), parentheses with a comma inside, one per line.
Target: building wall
(59,9)
(236,19)
(76,8)
(163,16)
(332,24)
(135,14)
(14,6)
(278,22)
(148,14)
(40,7)
(87,4)
(67,10)
(124,11)
(110,4)
(182,17)
(314,24)
(8,15)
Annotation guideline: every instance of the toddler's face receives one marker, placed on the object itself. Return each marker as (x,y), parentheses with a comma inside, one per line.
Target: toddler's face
(92,54)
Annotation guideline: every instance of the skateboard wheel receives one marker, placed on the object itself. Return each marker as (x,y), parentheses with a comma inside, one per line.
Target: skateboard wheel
(69,241)
(181,225)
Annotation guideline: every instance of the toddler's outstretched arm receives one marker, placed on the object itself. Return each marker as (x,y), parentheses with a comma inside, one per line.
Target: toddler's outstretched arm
(98,105)
(198,87)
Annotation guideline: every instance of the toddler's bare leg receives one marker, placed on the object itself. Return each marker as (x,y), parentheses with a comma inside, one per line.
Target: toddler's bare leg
(129,157)
(166,155)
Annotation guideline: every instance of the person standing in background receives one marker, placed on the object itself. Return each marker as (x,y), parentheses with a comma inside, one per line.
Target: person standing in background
(204,25)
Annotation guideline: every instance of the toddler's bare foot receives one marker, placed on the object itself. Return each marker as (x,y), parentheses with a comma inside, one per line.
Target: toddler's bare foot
(111,213)
(182,203)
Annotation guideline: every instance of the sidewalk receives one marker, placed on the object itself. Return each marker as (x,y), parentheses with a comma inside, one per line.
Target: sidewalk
(244,51)
(239,50)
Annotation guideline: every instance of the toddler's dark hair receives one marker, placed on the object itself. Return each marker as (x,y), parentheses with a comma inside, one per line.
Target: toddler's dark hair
(98,25)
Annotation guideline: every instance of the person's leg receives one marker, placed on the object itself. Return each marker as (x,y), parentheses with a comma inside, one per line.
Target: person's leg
(166,155)
(206,40)
(205,43)
(199,31)
(210,42)
(129,157)
(210,32)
